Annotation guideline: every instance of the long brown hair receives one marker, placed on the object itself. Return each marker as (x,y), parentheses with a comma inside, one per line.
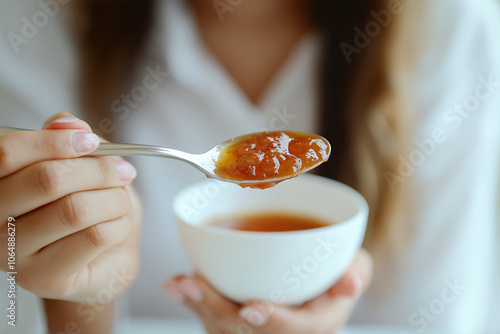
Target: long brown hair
(361,103)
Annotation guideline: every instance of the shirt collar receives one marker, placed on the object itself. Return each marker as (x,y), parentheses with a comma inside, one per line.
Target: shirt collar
(191,64)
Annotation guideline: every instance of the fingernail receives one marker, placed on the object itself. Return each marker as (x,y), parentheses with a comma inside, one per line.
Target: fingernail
(172,290)
(191,289)
(358,284)
(66,119)
(125,170)
(254,316)
(85,141)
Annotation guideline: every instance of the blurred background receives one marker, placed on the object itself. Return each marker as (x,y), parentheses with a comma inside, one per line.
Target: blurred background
(407,92)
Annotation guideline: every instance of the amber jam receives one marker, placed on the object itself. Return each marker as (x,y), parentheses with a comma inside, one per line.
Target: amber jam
(270,155)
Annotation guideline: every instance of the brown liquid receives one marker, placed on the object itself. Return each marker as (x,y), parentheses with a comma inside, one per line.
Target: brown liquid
(268,222)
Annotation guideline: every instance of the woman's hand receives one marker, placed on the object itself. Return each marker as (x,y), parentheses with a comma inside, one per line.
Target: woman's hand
(77,220)
(324,315)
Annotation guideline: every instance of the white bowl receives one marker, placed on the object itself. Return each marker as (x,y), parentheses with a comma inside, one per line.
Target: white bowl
(282,267)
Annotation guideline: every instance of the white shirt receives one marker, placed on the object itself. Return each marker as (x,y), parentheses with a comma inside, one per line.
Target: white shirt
(455,202)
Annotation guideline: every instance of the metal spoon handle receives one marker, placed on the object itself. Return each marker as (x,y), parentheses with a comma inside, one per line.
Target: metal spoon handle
(128,149)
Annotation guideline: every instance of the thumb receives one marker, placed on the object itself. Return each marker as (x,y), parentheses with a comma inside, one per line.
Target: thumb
(272,318)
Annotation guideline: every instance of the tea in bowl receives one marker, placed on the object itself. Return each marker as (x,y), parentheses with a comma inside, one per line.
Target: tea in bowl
(286,244)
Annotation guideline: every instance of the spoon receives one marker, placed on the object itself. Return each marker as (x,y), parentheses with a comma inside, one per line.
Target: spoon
(208,162)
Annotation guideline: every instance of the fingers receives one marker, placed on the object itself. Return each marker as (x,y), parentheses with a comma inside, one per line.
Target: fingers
(271,318)
(363,264)
(351,285)
(64,120)
(70,214)
(326,314)
(75,251)
(356,278)
(204,300)
(47,181)
(21,149)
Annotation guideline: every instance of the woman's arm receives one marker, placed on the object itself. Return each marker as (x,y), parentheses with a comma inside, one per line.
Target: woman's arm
(69,317)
